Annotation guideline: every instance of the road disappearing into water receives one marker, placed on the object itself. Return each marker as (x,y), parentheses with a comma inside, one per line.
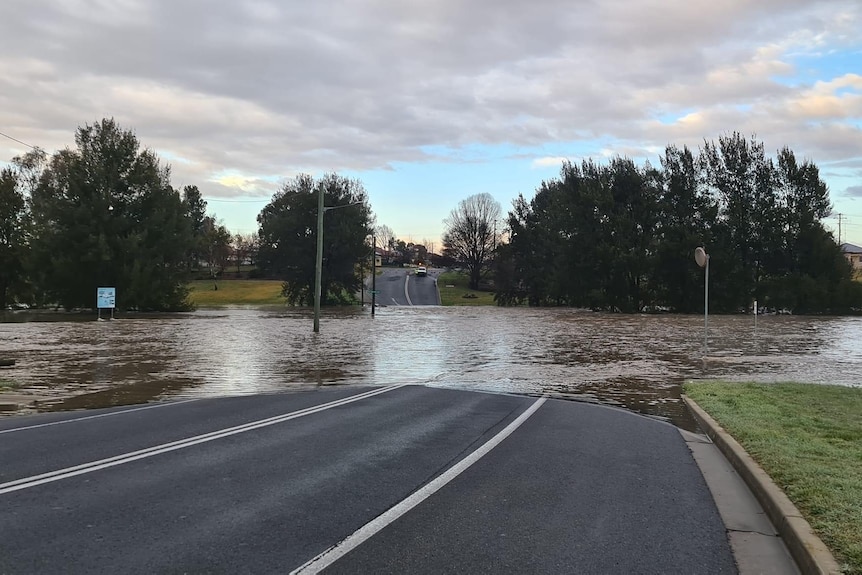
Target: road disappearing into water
(401,286)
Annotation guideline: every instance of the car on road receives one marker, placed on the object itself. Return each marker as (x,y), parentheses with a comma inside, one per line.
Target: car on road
(421,271)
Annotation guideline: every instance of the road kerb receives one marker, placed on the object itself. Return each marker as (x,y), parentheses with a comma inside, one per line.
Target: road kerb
(809,552)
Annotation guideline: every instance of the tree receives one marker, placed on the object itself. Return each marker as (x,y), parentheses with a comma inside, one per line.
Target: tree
(288,237)
(195,208)
(471,234)
(215,243)
(688,216)
(12,233)
(16,187)
(244,249)
(743,180)
(105,214)
(385,237)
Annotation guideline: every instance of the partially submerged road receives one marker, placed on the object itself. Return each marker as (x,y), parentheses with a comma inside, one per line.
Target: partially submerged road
(398,479)
(402,287)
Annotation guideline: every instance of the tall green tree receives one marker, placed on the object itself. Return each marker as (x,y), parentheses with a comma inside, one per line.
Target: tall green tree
(13,240)
(288,237)
(633,216)
(104,214)
(195,208)
(743,180)
(687,220)
(16,188)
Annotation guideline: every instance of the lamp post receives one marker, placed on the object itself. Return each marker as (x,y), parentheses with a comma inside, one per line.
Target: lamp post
(318,270)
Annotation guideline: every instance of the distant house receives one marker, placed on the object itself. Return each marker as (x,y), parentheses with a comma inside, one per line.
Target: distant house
(387,257)
(854,256)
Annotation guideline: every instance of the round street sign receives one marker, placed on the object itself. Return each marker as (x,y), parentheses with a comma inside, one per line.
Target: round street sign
(700,256)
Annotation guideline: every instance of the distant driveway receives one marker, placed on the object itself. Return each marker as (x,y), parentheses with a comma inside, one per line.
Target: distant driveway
(401,286)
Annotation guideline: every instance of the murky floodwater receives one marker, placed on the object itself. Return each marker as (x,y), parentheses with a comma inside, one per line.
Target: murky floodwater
(637,362)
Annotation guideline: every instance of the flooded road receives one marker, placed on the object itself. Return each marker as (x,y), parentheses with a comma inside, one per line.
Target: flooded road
(633,361)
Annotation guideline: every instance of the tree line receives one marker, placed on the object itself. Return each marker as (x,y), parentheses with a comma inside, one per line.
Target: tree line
(103,214)
(621,237)
(616,237)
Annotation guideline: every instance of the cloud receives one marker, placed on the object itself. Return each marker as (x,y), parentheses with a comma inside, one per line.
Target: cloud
(263,88)
(853,192)
(548,161)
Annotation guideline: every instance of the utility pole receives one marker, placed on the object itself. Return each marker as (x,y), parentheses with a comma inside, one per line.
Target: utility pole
(839,229)
(318,268)
(373,273)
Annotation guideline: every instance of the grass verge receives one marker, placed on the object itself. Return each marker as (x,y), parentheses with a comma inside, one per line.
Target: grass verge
(235,292)
(808,438)
(454,286)
(7,385)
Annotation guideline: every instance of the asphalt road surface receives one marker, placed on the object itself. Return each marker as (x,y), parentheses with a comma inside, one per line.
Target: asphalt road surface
(399,479)
(401,286)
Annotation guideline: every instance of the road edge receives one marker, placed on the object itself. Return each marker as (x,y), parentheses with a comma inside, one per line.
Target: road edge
(807,549)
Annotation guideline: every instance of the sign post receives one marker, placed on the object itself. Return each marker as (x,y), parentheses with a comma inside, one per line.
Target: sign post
(106,298)
(702,259)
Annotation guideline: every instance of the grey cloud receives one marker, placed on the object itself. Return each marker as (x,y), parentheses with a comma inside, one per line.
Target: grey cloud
(266,87)
(853,192)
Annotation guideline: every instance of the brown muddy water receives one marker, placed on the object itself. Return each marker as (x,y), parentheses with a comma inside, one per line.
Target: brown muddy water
(633,361)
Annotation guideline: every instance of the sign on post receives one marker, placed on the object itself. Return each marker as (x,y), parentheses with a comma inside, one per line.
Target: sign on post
(106,298)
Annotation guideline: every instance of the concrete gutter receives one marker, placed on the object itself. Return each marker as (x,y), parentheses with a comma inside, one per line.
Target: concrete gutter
(809,552)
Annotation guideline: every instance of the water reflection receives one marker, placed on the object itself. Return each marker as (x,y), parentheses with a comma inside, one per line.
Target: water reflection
(637,362)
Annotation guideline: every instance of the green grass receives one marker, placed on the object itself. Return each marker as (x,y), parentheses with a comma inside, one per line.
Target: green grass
(808,438)
(235,292)
(455,295)
(8,385)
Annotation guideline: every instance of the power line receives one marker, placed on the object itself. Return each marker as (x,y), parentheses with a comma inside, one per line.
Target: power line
(17,140)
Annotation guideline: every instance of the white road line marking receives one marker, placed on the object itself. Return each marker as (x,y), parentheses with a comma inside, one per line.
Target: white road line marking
(406,281)
(339,550)
(50,476)
(165,404)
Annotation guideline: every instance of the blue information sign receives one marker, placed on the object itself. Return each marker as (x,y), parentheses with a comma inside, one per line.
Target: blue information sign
(106,297)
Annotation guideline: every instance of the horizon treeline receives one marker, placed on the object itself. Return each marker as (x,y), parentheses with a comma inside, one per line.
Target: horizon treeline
(621,237)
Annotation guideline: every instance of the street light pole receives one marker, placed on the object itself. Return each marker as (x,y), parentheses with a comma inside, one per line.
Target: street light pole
(318,268)
(702,259)
(373,273)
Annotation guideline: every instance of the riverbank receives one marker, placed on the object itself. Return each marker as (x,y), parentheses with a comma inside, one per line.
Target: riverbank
(808,438)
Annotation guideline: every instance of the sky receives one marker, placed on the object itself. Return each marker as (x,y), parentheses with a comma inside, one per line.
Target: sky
(429,102)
